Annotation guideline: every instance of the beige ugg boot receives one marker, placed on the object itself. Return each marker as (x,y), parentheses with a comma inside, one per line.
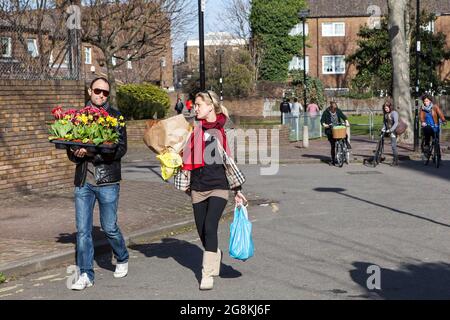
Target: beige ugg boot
(217,262)
(209,259)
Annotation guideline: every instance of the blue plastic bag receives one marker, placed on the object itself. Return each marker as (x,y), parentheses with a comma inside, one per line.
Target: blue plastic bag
(241,242)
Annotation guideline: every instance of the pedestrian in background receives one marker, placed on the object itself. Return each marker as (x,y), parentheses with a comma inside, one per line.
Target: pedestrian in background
(312,111)
(390,124)
(285,108)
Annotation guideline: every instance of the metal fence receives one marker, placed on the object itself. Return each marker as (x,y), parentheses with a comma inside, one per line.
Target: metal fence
(296,124)
(39,43)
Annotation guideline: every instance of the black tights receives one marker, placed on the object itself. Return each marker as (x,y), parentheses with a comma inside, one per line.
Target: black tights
(207,215)
(428,133)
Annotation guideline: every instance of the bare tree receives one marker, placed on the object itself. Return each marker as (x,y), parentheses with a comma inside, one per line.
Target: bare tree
(41,20)
(236,17)
(400,61)
(130,30)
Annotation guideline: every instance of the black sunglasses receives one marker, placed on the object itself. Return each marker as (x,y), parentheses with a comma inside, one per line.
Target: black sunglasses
(98,91)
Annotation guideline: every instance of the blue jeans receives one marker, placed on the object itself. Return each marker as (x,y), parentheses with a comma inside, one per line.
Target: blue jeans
(108,200)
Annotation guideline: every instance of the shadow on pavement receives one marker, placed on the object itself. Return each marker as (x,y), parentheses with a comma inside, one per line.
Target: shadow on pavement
(185,253)
(102,255)
(442,172)
(410,281)
(341,192)
(322,158)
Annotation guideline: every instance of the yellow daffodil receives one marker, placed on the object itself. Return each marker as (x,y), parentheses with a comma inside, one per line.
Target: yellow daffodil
(84,119)
(90,117)
(121,118)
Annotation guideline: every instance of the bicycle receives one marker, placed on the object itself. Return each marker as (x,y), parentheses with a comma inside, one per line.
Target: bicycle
(434,151)
(377,157)
(342,153)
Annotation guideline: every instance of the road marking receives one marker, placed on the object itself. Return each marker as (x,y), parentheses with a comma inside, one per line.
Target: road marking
(10,288)
(59,279)
(46,277)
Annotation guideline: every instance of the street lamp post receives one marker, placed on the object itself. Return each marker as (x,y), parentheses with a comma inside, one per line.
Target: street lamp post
(201,31)
(416,110)
(302,15)
(220,52)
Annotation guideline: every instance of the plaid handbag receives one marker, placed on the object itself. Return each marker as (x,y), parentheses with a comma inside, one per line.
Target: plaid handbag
(182,180)
(235,176)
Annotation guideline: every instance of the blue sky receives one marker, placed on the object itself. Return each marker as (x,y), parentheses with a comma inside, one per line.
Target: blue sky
(212,24)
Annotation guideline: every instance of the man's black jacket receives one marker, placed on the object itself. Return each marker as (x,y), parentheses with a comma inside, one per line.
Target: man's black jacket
(107,165)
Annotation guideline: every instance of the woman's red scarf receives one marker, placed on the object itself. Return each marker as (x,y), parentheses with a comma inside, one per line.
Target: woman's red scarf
(193,153)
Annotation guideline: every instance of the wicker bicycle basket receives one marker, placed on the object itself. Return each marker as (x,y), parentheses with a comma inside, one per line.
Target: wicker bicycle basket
(339,132)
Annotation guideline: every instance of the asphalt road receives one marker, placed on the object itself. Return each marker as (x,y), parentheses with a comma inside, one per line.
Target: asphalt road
(320,232)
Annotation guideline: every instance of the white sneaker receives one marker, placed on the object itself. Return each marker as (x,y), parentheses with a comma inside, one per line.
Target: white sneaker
(82,282)
(121,270)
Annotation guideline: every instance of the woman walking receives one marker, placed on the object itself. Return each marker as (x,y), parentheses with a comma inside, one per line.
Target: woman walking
(209,186)
(390,124)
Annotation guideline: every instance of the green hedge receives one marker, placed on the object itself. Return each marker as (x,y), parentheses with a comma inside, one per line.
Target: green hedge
(142,101)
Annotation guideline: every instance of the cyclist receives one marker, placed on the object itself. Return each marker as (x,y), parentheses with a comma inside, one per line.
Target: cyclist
(390,123)
(333,116)
(430,114)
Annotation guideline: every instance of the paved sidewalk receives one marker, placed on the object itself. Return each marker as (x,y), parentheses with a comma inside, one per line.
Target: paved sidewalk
(37,231)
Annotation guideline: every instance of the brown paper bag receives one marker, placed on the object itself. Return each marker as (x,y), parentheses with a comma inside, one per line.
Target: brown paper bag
(169,134)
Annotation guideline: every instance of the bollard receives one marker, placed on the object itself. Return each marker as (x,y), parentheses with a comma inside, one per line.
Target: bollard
(305,137)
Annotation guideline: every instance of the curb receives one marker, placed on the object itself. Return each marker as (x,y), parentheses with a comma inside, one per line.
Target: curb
(67,256)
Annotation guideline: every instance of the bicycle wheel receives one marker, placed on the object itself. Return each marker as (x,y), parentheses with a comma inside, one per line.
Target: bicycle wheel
(378,153)
(425,154)
(437,155)
(339,154)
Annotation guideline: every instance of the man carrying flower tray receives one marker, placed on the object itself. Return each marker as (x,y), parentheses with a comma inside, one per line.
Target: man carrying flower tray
(97,178)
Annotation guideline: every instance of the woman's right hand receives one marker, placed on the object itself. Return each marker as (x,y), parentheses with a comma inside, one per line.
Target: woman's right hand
(240,199)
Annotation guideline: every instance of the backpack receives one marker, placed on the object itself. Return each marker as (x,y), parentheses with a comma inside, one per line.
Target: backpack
(285,108)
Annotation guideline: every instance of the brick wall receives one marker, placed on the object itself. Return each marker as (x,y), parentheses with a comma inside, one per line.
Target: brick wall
(28,162)
(135,130)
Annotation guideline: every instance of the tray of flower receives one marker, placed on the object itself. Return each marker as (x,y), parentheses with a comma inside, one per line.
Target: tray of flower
(91,128)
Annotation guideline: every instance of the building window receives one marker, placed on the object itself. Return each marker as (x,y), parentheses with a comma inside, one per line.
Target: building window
(129,65)
(88,55)
(298,30)
(32,47)
(333,64)
(297,64)
(5,47)
(114,61)
(333,29)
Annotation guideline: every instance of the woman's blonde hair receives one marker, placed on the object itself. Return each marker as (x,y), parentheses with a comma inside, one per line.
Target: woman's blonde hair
(210,97)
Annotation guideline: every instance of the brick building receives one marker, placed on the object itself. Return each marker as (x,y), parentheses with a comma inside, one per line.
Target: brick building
(332,34)
(21,51)
(214,41)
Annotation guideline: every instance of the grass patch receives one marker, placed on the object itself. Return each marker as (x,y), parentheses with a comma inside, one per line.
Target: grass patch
(359,125)
(2,278)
